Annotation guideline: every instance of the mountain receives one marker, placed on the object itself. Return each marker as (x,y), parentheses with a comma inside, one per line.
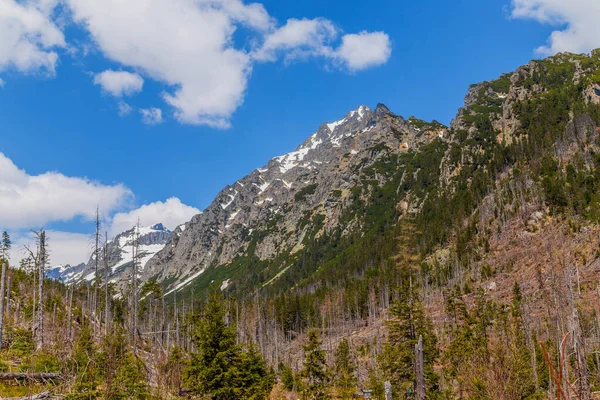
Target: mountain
(65,273)
(283,224)
(151,240)
(477,243)
(265,220)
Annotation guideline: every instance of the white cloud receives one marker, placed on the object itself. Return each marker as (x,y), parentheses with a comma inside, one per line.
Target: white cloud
(186,45)
(171,213)
(2,83)
(64,247)
(206,73)
(364,50)
(300,37)
(124,109)
(34,200)
(151,116)
(119,83)
(28,37)
(577,25)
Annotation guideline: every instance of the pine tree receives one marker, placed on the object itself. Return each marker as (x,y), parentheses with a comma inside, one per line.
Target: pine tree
(315,374)
(130,378)
(6,245)
(221,368)
(288,379)
(84,366)
(255,378)
(344,371)
(408,322)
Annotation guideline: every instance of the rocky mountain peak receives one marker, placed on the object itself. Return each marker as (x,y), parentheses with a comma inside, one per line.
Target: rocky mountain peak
(264,214)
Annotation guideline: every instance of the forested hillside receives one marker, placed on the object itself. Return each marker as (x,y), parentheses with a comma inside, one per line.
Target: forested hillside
(453,262)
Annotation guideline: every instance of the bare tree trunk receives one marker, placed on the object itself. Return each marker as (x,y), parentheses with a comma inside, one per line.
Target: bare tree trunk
(34,296)
(39,331)
(8,286)
(106,297)
(420,370)
(2,290)
(96,262)
(70,316)
(134,285)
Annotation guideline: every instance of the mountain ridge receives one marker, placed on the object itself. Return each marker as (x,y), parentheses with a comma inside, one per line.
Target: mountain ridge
(310,173)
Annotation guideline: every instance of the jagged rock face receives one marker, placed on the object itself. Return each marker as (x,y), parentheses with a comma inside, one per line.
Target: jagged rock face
(119,254)
(273,203)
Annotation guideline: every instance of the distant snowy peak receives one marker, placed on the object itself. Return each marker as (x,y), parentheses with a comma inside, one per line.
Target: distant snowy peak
(65,273)
(119,252)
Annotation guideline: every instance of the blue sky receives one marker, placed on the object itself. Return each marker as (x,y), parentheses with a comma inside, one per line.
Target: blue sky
(59,114)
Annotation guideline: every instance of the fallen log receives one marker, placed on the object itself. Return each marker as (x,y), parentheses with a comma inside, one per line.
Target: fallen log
(34,376)
(41,396)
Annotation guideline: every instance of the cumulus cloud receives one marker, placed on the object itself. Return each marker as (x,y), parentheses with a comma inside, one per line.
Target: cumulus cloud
(28,36)
(151,116)
(577,25)
(119,83)
(171,213)
(34,200)
(299,39)
(364,50)
(304,37)
(186,45)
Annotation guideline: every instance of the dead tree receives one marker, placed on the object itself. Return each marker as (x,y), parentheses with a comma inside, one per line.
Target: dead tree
(2,290)
(38,331)
(8,286)
(96,262)
(70,312)
(134,285)
(420,370)
(106,297)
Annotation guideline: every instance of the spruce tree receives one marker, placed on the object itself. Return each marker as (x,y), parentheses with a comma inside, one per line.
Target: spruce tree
(222,369)
(84,365)
(408,322)
(344,371)
(315,374)
(6,245)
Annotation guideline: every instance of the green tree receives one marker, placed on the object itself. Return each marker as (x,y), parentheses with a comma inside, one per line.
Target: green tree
(408,322)
(344,377)
(287,376)
(255,379)
(6,245)
(130,378)
(315,374)
(84,366)
(221,368)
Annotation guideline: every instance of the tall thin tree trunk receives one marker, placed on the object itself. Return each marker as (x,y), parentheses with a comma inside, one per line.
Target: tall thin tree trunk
(96,262)
(106,297)
(420,388)
(39,331)
(134,286)
(70,316)
(2,290)
(8,286)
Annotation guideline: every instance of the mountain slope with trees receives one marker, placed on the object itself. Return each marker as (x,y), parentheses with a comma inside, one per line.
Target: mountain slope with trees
(452,262)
